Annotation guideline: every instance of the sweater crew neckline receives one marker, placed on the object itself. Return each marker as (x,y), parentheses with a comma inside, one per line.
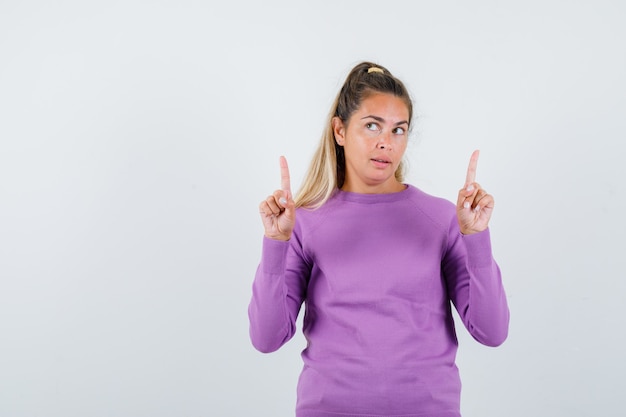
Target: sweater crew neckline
(374,198)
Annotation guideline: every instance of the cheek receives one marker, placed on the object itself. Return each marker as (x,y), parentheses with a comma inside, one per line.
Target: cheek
(360,143)
(401,146)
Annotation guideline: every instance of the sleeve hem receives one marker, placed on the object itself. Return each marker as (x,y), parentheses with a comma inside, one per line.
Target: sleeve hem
(478,248)
(274,255)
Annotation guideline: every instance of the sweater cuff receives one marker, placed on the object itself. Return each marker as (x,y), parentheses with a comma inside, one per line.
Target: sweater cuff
(274,255)
(479,248)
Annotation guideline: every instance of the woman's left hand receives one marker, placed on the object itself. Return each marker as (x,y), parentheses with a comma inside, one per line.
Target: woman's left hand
(474,205)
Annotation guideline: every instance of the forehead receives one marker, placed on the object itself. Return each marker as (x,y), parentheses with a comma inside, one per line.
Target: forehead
(387,106)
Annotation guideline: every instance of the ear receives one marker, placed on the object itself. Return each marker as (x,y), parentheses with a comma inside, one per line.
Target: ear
(339,130)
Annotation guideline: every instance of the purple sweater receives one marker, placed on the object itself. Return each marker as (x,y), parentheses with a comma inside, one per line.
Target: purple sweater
(377,273)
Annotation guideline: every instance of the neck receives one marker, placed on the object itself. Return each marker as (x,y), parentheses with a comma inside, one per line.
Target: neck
(384,188)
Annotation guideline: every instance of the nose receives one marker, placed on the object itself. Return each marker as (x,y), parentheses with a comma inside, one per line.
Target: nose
(384,141)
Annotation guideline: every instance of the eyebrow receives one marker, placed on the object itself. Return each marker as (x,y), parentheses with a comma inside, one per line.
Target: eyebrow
(381,120)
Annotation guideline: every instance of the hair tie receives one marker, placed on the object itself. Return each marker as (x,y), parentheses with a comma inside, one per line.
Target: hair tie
(375,69)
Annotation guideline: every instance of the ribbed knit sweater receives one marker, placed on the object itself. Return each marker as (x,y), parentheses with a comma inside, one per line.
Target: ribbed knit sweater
(378,274)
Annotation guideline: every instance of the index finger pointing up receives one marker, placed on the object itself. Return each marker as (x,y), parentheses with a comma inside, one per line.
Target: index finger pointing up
(285,182)
(471,169)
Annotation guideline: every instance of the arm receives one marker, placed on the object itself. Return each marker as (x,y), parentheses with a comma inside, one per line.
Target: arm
(475,286)
(280,283)
(473,277)
(278,290)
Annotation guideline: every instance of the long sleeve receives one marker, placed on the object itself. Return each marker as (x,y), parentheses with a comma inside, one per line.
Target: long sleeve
(378,272)
(475,286)
(278,291)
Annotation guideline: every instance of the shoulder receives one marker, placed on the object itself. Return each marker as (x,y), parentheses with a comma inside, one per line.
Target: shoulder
(308,217)
(437,209)
(429,201)
(343,204)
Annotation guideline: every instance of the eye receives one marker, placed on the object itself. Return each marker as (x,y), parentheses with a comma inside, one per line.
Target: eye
(372,126)
(399,130)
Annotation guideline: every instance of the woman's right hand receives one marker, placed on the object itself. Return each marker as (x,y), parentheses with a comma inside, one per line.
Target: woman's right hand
(278,211)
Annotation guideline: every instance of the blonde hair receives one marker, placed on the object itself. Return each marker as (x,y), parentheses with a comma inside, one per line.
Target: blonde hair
(327,170)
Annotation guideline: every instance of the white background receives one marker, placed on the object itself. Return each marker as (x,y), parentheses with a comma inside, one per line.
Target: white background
(137,139)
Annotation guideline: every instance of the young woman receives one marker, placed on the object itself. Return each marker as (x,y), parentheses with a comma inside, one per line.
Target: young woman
(378,264)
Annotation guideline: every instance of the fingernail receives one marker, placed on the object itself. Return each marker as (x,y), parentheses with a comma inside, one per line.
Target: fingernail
(283,201)
(466,204)
(470,187)
(477,208)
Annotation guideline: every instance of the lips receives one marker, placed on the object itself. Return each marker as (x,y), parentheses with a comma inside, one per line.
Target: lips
(380,162)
